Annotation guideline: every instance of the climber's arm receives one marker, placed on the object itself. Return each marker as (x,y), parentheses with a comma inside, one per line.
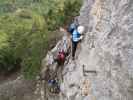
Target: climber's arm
(80,38)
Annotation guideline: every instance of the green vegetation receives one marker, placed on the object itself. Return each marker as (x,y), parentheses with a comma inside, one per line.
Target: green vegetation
(26,28)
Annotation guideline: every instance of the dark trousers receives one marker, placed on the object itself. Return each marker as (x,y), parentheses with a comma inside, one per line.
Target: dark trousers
(74,47)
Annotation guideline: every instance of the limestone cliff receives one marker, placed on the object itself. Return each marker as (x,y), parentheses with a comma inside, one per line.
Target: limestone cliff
(105,59)
(103,69)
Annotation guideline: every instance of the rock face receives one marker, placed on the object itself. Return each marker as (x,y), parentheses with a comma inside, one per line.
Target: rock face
(103,69)
(105,59)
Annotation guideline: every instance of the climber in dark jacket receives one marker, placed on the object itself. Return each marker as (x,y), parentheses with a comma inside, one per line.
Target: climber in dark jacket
(76,37)
(54,86)
(73,25)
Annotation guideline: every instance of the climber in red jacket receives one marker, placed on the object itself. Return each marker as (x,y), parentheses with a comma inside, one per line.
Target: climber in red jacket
(61,57)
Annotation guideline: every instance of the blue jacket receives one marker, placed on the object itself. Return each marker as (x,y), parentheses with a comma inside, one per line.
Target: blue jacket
(75,36)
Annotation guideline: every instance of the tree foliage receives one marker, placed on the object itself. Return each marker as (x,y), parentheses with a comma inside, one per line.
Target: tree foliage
(25,30)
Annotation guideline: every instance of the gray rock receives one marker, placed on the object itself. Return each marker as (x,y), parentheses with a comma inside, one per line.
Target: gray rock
(107,48)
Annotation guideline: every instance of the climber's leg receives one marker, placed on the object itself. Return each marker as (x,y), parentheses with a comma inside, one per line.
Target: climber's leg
(74,46)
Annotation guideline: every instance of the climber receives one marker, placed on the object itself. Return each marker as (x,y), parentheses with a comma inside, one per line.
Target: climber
(60,57)
(76,36)
(63,50)
(73,25)
(53,86)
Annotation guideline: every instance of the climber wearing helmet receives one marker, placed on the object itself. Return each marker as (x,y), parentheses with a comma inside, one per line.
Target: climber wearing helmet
(53,86)
(77,35)
(61,57)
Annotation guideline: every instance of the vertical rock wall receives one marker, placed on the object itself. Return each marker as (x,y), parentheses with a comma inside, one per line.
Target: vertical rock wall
(105,59)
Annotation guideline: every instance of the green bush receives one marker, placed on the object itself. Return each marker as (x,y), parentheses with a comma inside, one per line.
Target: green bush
(8,62)
(27,31)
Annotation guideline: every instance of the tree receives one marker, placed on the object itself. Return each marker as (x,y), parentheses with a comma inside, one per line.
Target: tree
(28,29)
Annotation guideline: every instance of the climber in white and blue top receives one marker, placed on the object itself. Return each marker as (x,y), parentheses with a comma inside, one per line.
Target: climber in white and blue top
(76,34)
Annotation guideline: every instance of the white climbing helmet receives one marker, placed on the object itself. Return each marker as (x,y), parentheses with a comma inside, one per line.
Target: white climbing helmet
(81,29)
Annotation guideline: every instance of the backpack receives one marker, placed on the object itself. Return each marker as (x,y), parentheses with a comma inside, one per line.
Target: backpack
(61,56)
